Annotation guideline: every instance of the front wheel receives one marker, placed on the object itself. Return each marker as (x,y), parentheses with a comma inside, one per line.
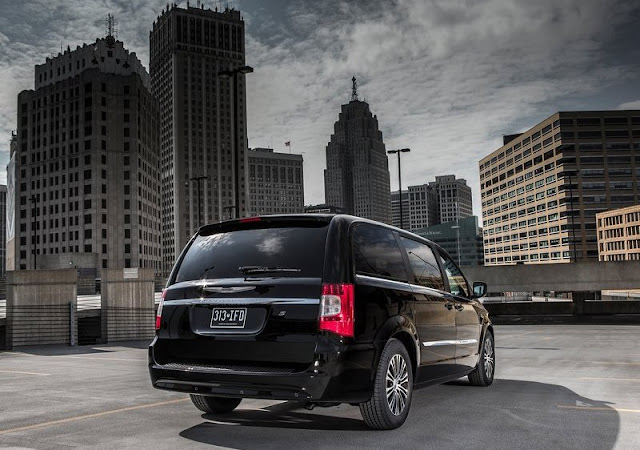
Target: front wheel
(215,405)
(389,404)
(482,375)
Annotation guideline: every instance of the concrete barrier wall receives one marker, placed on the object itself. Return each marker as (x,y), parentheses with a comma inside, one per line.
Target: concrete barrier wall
(582,276)
(40,307)
(128,307)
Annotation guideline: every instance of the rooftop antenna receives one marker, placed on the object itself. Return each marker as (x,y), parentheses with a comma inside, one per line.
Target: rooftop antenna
(354,92)
(112,31)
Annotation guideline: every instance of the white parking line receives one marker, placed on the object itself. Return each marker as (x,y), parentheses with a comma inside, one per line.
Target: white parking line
(23,373)
(89,416)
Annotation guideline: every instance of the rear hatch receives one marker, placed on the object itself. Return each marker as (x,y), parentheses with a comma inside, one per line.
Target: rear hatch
(245,295)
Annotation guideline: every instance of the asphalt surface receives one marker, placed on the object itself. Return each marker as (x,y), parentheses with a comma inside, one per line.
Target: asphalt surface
(556,387)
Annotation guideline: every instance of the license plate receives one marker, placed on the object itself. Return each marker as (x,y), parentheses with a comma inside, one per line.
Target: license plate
(228,317)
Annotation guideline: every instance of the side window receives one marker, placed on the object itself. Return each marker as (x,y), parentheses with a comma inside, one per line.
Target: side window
(376,252)
(457,284)
(424,264)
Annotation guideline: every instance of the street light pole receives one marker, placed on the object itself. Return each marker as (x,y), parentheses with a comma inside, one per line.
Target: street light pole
(573,230)
(33,230)
(457,227)
(233,76)
(402,150)
(198,179)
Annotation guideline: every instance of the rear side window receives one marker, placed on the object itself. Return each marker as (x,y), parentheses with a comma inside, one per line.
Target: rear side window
(424,264)
(220,255)
(376,252)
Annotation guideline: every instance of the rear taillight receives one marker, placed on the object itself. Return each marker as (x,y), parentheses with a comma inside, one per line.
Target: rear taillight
(159,313)
(337,309)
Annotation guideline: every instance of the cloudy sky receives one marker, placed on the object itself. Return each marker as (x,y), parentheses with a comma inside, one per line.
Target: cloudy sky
(446,78)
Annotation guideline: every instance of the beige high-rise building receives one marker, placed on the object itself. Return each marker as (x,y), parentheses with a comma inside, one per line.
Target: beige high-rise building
(542,189)
(197,70)
(619,234)
(276,182)
(83,176)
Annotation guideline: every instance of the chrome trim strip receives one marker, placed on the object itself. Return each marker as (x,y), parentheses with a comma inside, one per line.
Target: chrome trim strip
(402,285)
(243,301)
(227,289)
(428,291)
(383,282)
(450,342)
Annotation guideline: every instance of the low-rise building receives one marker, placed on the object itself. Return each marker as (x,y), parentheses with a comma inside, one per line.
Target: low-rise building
(619,234)
(462,239)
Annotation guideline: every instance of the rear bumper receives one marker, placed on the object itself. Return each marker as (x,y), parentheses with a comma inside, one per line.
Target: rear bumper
(343,376)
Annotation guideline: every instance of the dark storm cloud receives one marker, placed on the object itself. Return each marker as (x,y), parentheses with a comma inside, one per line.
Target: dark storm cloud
(445,78)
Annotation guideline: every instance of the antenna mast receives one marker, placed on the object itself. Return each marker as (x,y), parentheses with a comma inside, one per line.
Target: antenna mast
(354,92)
(112,31)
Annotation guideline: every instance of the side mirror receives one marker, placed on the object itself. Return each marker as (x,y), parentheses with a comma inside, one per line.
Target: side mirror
(479,289)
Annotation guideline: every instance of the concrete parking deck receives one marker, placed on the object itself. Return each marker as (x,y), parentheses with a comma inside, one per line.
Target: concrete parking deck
(556,387)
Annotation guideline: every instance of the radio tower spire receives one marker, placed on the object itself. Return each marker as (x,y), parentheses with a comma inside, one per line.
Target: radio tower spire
(112,32)
(354,92)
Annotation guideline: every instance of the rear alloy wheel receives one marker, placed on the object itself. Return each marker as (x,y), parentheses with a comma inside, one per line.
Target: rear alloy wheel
(389,404)
(482,375)
(215,405)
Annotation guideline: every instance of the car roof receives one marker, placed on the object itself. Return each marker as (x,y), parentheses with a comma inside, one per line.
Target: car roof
(308,218)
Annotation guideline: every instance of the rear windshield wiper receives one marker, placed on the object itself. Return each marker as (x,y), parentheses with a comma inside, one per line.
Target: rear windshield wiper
(247,270)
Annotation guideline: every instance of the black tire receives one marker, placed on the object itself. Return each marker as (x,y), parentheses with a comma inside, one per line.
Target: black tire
(483,374)
(215,405)
(395,373)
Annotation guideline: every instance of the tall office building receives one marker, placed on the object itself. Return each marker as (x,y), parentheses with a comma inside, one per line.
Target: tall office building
(542,189)
(454,198)
(84,172)
(357,173)
(276,183)
(197,73)
(445,200)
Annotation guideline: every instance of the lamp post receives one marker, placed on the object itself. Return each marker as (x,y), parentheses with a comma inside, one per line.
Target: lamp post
(233,75)
(402,150)
(34,210)
(198,179)
(457,228)
(573,230)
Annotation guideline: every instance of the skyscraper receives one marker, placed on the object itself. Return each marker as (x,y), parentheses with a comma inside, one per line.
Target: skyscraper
(454,198)
(357,173)
(197,72)
(445,200)
(83,175)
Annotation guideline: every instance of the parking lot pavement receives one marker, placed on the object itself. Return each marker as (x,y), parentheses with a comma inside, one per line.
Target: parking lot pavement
(556,387)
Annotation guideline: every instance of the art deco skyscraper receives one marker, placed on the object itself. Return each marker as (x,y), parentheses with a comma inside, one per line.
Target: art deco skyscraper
(357,173)
(197,55)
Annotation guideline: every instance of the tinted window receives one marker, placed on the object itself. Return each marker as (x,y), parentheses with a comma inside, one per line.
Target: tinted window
(457,284)
(424,264)
(220,255)
(376,252)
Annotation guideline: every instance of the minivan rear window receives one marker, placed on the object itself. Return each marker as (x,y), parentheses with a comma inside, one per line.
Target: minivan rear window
(294,251)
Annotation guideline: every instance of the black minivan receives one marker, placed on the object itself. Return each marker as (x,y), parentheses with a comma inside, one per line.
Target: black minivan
(321,309)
